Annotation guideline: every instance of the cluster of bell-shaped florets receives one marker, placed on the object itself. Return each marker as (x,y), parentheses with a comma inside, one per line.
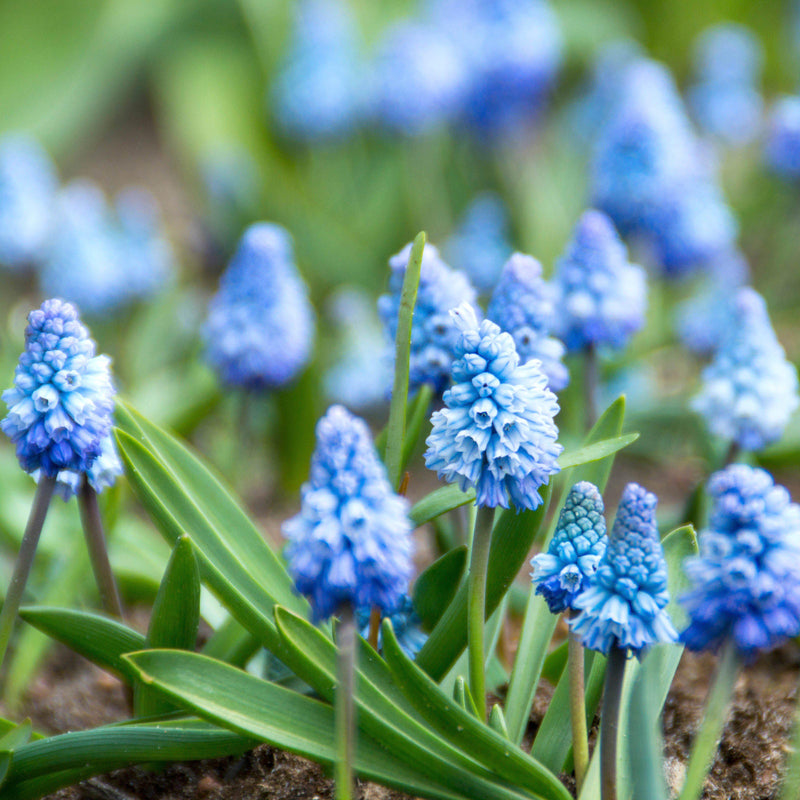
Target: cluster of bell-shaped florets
(578,544)
(497,432)
(406,624)
(103,473)
(351,542)
(60,407)
(625,603)
(260,326)
(750,389)
(782,137)
(746,580)
(522,304)
(434,334)
(600,296)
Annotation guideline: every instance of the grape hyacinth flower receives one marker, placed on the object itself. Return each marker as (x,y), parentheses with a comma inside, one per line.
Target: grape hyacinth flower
(480,244)
(746,580)
(406,625)
(103,473)
(522,304)
(317,94)
(260,325)
(782,138)
(28,185)
(750,390)
(351,542)
(578,544)
(434,334)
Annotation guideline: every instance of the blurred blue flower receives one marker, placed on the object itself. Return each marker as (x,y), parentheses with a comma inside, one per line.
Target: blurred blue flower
(406,624)
(782,138)
(318,93)
(60,407)
(418,79)
(480,244)
(351,541)
(102,258)
(28,185)
(578,544)
(600,297)
(260,327)
(522,304)
(746,580)
(361,376)
(497,432)
(750,390)
(625,604)
(433,333)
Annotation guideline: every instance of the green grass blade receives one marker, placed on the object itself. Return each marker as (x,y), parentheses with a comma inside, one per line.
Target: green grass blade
(439,502)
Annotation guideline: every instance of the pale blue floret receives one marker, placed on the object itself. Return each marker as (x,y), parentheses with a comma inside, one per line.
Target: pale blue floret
(625,605)
(522,304)
(480,244)
(434,334)
(260,327)
(750,390)
(782,138)
(318,92)
(497,433)
(406,625)
(600,296)
(578,544)
(60,407)
(103,258)
(351,542)
(746,580)
(28,185)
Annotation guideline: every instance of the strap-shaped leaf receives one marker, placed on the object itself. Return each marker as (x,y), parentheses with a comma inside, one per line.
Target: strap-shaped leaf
(435,588)
(595,451)
(439,502)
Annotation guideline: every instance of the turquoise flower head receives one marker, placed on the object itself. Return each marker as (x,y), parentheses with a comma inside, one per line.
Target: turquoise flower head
(497,432)
(575,550)
(624,606)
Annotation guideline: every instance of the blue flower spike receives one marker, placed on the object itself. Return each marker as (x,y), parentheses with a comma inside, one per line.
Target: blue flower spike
(260,327)
(750,389)
(782,137)
(578,544)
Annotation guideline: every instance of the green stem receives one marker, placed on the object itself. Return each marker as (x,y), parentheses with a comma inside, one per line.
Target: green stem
(707,739)
(609,724)
(478,565)
(96,543)
(577,707)
(591,385)
(396,429)
(344,706)
(22,568)
(791,780)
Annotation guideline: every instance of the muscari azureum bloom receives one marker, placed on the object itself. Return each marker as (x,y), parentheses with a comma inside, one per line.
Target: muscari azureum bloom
(317,94)
(60,407)
(351,541)
(750,389)
(102,474)
(624,606)
(600,297)
(480,244)
(575,550)
(746,580)
(260,325)
(522,304)
(433,332)
(406,624)
(782,138)
(28,185)
(497,432)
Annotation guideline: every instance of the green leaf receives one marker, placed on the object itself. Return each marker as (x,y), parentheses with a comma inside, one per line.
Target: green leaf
(419,413)
(646,741)
(555,663)
(596,451)
(463,697)
(511,541)
(497,721)
(439,502)
(435,588)
(102,640)
(231,643)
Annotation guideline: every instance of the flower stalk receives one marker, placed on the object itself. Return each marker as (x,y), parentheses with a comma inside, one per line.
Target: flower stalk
(577,707)
(344,708)
(609,725)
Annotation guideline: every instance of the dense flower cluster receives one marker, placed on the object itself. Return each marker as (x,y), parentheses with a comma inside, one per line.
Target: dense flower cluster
(750,390)
(60,407)
(624,605)
(433,333)
(522,304)
(746,580)
(102,474)
(260,326)
(480,244)
(575,550)
(782,138)
(351,541)
(600,297)
(28,185)
(497,432)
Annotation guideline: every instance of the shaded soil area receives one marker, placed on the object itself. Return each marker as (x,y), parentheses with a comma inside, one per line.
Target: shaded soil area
(72,694)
